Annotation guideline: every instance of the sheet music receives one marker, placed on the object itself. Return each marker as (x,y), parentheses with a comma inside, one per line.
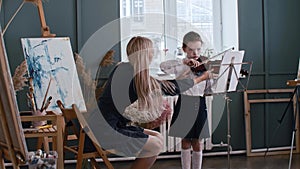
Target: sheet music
(236,58)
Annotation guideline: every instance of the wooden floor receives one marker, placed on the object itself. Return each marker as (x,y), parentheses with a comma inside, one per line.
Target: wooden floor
(215,162)
(221,162)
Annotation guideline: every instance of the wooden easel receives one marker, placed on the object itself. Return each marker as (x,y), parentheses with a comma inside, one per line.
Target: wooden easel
(12,138)
(56,136)
(44,28)
(45,33)
(9,148)
(247,107)
(13,146)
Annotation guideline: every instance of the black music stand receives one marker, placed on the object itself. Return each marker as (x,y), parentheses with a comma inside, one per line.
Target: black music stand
(229,74)
(295,96)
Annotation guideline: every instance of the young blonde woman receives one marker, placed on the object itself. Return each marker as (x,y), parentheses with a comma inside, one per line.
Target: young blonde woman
(130,87)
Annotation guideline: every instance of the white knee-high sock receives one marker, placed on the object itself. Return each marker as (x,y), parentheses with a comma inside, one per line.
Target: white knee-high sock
(197,159)
(186,158)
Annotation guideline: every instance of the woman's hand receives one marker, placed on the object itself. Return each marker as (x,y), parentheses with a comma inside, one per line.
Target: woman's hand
(165,116)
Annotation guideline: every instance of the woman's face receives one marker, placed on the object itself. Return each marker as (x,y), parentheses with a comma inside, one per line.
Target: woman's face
(193,49)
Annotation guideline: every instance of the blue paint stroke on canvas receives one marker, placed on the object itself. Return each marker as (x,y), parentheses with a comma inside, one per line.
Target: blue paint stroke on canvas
(52,58)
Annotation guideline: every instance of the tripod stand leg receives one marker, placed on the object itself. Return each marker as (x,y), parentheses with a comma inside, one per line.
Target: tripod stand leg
(228,132)
(296,111)
(291,152)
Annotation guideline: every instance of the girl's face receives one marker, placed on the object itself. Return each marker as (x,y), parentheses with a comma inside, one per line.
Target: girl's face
(193,49)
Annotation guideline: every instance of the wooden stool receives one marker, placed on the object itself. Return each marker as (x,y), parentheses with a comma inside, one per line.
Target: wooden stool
(54,131)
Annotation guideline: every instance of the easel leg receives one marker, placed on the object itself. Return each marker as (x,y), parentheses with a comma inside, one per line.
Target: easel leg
(2,166)
(43,143)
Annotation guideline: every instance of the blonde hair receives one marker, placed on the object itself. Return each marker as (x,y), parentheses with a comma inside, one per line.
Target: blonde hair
(140,53)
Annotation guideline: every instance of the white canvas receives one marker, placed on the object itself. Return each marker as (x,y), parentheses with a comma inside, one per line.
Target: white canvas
(52,58)
(236,58)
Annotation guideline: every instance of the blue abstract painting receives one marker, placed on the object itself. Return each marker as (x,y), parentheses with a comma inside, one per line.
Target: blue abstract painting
(52,67)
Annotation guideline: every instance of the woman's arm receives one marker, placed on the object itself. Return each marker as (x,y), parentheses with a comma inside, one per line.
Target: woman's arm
(174,87)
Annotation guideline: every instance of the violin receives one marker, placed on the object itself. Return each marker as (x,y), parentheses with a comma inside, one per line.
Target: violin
(204,63)
(214,65)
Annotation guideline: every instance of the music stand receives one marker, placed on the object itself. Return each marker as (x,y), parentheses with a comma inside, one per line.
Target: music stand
(295,96)
(227,80)
(296,84)
(293,83)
